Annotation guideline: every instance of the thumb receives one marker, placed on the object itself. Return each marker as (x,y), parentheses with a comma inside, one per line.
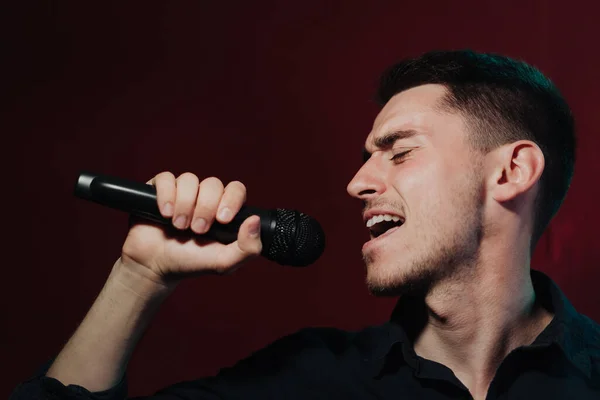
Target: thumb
(247,245)
(249,236)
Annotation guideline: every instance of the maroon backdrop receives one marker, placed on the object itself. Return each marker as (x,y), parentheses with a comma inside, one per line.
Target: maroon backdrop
(276,94)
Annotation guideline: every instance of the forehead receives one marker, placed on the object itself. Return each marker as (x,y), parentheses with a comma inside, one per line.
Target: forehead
(415,109)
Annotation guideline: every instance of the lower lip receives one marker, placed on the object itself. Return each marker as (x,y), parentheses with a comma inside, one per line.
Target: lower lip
(378,239)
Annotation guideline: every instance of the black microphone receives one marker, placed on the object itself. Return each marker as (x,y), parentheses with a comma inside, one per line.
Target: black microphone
(289,237)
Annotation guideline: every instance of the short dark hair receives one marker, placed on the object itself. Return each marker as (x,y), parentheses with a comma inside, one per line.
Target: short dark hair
(503,100)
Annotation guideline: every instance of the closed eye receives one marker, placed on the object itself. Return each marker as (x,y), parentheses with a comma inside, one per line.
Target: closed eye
(399,156)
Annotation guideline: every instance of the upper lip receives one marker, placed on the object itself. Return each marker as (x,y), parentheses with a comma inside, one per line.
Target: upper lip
(379,211)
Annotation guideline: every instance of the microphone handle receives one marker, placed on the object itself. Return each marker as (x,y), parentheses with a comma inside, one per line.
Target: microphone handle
(139,199)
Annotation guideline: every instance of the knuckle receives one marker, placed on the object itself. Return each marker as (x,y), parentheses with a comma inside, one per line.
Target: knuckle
(249,249)
(165,175)
(212,182)
(237,185)
(188,177)
(254,250)
(210,193)
(236,193)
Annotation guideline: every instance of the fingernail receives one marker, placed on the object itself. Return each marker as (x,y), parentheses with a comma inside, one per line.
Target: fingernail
(168,208)
(255,229)
(225,214)
(180,221)
(199,225)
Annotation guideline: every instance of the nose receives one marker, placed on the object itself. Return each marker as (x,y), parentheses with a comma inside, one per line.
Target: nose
(368,182)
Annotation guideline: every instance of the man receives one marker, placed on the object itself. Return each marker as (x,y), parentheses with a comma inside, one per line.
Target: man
(466,164)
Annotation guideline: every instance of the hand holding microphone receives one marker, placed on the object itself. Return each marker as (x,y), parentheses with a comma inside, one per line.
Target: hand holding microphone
(186,227)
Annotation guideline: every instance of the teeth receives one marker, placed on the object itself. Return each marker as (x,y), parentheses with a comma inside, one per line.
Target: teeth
(379,218)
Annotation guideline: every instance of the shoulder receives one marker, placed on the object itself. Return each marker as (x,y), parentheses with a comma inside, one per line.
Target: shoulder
(293,366)
(325,339)
(590,333)
(311,346)
(337,340)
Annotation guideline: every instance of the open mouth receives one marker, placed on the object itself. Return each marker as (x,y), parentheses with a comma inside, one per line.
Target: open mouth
(380,228)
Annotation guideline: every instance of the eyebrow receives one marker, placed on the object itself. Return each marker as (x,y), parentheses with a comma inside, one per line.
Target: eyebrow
(386,141)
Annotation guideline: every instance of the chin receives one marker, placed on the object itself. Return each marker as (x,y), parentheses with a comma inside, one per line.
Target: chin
(394,279)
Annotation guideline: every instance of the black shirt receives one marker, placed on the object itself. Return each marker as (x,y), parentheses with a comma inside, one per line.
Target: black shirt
(380,363)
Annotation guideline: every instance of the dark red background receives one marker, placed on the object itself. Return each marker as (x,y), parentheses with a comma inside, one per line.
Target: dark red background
(276,94)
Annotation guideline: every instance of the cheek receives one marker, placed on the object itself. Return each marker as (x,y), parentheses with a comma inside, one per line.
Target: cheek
(423,183)
(432,193)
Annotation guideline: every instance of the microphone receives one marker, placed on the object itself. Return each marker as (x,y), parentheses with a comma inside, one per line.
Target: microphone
(289,237)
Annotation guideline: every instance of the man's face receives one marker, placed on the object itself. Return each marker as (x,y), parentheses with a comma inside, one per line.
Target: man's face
(436,190)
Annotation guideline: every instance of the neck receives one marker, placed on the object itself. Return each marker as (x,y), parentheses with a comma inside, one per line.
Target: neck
(471,322)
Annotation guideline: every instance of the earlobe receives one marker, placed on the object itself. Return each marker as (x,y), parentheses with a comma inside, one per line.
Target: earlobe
(520,167)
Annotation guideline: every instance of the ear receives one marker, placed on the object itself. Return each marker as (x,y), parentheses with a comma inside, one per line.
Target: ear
(517,167)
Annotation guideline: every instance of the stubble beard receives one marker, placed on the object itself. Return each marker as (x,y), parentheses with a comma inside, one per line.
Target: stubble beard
(450,252)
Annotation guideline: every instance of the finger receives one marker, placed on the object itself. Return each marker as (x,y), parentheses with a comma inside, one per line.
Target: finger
(209,195)
(185,200)
(247,246)
(165,192)
(233,199)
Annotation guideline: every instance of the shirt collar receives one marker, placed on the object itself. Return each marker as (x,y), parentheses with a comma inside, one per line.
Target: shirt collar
(577,336)
(392,338)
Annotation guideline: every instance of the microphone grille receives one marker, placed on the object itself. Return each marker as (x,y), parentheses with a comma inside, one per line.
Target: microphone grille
(298,240)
